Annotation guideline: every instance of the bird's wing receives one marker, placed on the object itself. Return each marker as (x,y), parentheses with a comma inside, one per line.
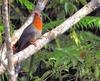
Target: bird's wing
(24,40)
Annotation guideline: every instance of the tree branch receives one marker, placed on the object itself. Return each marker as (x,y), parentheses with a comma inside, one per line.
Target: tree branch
(40,6)
(47,37)
(4,64)
(7,40)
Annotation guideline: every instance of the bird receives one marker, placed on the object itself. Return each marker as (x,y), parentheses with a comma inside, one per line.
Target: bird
(31,33)
(28,37)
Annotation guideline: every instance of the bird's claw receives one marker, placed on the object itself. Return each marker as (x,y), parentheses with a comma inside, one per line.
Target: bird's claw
(32,41)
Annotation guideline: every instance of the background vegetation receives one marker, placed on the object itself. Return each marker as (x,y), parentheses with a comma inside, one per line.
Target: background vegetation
(73,56)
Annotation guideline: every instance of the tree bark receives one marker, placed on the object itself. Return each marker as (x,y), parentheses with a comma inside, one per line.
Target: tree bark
(7,40)
(49,36)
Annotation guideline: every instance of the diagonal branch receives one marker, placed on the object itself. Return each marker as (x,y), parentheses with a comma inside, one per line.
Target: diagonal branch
(47,37)
(40,6)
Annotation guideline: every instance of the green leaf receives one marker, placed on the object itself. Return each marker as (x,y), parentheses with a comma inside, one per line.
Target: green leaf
(97,72)
(46,74)
(83,2)
(75,37)
(1,28)
(20,1)
(70,8)
(26,3)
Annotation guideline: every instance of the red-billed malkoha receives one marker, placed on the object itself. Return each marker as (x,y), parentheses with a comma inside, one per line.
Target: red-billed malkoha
(31,33)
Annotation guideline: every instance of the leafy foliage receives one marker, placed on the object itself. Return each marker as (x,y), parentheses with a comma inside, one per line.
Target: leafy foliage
(85,23)
(70,8)
(68,60)
(89,22)
(62,59)
(26,3)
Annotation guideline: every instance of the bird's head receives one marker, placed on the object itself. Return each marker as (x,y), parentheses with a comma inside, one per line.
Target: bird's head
(37,22)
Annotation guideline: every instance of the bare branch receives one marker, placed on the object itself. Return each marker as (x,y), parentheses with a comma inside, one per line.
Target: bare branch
(4,64)
(47,37)
(2,56)
(18,33)
(11,69)
(41,5)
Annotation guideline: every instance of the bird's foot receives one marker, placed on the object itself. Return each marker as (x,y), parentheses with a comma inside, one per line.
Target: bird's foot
(32,41)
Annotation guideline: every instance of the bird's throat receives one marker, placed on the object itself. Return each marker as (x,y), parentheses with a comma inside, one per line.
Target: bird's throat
(38,22)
